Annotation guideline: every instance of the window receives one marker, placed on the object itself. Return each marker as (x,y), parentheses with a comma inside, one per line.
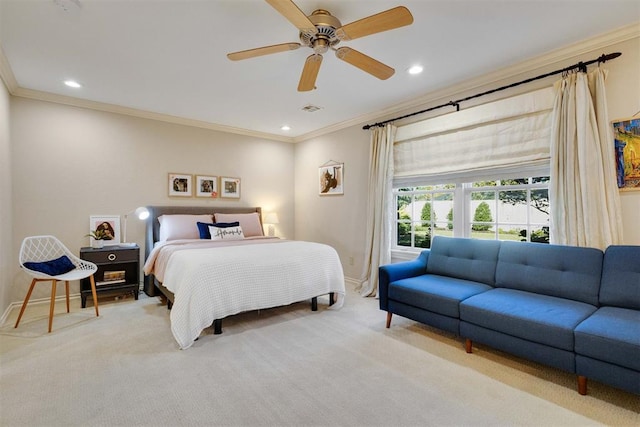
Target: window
(503,209)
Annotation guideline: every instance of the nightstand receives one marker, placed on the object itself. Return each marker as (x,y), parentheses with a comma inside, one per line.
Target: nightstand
(118,270)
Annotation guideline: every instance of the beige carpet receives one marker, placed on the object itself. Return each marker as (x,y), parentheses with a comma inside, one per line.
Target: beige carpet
(285,366)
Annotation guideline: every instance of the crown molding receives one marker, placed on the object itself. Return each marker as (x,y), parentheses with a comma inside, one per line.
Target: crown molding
(6,73)
(112,108)
(560,55)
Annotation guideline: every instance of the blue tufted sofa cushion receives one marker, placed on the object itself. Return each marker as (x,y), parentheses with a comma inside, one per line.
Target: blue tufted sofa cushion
(468,259)
(538,318)
(621,277)
(561,271)
(612,335)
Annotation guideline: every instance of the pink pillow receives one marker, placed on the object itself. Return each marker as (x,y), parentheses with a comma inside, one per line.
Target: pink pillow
(174,227)
(250,222)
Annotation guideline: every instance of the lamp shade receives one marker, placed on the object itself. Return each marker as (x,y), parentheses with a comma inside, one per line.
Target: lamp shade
(271,218)
(141,213)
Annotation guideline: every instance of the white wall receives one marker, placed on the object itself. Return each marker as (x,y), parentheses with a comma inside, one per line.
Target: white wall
(338,220)
(70,163)
(341,221)
(7,258)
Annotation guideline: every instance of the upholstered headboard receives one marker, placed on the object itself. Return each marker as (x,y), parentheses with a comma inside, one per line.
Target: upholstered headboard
(153,225)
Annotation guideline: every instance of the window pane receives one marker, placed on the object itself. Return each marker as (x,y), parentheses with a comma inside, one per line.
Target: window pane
(485,184)
(483,195)
(540,235)
(404,234)
(540,179)
(518,181)
(423,235)
(512,207)
(540,204)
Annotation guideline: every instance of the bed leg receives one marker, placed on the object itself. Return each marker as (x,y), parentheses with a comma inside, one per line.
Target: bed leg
(314,304)
(217,326)
(332,298)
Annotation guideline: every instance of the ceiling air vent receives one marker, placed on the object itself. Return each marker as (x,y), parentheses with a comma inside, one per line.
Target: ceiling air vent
(311,108)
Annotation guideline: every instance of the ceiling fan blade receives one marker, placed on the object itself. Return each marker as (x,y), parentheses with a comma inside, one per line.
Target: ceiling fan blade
(365,63)
(266,50)
(310,73)
(289,10)
(383,21)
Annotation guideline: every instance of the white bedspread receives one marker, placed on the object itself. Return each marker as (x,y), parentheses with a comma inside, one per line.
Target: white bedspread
(213,283)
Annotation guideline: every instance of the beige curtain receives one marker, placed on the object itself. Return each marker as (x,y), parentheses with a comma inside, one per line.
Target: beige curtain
(583,191)
(379,207)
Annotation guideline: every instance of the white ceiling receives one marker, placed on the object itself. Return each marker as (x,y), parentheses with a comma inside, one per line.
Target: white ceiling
(169,56)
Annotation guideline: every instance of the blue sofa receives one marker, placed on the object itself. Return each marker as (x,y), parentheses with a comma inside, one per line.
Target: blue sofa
(573,308)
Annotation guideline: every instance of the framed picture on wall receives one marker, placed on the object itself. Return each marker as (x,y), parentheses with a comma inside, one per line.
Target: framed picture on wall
(626,139)
(331,179)
(229,187)
(206,186)
(104,228)
(180,185)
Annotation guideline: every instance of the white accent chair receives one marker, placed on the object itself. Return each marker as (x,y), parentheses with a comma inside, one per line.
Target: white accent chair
(40,249)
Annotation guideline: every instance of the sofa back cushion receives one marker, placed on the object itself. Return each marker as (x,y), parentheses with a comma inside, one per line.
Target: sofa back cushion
(561,271)
(621,277)
(468,259)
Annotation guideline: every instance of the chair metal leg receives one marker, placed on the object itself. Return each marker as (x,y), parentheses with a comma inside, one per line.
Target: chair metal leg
(26,300)
(66,288)
(53,303)
(95,295)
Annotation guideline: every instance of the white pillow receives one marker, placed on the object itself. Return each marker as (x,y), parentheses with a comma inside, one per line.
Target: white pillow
(250,222)
(174,227)
(226,233)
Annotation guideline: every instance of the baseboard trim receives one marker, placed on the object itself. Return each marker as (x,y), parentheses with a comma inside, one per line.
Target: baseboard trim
(47,300)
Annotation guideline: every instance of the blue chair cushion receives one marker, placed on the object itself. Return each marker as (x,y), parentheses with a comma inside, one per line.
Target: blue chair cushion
(53,267)
(439,294)
(561,271)
(611,335)
(203,228)
(621,277)
(468,259)
(538,318)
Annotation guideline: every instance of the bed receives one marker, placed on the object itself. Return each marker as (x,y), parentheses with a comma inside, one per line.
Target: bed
(205,279)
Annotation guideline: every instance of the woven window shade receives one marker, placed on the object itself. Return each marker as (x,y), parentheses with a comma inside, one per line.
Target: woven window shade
(509,134)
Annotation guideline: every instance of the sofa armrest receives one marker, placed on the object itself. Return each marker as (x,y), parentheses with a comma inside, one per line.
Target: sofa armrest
(401,270)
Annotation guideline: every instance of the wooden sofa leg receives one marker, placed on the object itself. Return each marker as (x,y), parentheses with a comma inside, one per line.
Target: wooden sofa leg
(468,345)
(389,319)
(314,304)
(582,385)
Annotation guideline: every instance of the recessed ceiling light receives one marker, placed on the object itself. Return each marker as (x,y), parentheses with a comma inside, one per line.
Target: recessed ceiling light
(285,128)
(72,83)
(416,69)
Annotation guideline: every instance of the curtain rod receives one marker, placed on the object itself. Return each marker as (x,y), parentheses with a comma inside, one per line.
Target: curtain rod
(580,66)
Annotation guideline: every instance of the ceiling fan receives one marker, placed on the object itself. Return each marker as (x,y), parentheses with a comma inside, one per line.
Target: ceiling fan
(321,31)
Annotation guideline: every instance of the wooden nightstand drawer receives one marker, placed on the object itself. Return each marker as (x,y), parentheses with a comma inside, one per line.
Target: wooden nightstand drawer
(110,255)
